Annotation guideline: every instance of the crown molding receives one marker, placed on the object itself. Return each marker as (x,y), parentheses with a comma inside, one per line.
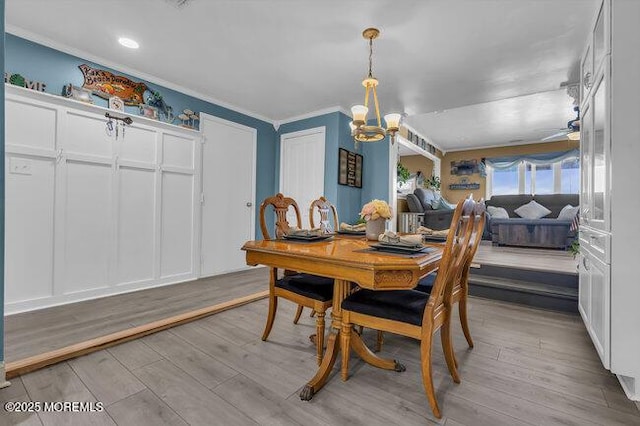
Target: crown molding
(311,114)
(45,41)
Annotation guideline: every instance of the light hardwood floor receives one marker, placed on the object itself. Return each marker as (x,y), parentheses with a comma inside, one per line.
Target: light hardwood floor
(526,258)
(36,332)
(528,367)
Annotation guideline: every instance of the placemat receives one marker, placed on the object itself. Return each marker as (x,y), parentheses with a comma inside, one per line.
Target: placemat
(388,253)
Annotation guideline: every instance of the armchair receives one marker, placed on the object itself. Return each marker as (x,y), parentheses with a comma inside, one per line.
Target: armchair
(421,201)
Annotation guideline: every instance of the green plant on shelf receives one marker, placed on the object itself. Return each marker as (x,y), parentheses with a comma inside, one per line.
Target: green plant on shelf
(403,173)
(433,183)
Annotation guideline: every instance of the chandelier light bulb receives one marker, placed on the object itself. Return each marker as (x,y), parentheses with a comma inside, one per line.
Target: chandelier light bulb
(359,113)
(393,121)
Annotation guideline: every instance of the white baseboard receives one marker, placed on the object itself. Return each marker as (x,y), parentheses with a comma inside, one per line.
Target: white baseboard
(3,382)
(631,388)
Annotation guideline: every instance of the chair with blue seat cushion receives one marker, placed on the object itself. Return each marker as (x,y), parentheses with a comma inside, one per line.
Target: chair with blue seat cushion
(306,290)
(414,313)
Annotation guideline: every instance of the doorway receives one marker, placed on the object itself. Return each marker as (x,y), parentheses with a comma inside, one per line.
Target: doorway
(228,194)
(302,169)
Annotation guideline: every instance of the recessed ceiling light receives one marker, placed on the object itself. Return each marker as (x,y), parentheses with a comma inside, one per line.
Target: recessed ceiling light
(127,42)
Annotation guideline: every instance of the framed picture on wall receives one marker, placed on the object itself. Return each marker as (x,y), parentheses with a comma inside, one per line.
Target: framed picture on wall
(349,168)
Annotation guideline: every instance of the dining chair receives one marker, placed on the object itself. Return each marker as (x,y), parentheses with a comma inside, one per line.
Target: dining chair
(324,207)
(461,287)
(414,313)
(306,290)
(460,290)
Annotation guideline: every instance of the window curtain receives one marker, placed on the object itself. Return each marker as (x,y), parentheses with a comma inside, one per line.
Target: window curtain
(502,163)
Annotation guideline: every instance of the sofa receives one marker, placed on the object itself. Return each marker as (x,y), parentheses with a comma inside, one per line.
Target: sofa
(547,232)
(423,201)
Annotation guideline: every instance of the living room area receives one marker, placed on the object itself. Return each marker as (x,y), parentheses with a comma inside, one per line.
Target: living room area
(173,168)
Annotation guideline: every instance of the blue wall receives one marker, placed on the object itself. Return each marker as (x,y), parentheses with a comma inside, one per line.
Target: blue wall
(337,135)
(56,69)
(376,170)
(2,191)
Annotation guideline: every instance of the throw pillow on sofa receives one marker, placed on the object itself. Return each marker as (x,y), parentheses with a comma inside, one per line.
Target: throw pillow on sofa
(568,212)
(442,204)
(532,210)
(497,212)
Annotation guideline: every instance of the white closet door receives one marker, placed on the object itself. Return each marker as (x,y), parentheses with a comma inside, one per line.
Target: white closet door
(302,169)
(87,226)
(177,211)
(228,189)
(136,205)
(29,234)
(30,143)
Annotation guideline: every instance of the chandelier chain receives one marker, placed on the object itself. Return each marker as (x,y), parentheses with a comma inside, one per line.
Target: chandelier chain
(370,57)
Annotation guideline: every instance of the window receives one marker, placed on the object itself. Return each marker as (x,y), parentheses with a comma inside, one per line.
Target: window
(527,178)
(570,176)
(505,181)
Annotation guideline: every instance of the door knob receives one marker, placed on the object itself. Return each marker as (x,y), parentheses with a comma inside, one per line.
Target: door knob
(249,204)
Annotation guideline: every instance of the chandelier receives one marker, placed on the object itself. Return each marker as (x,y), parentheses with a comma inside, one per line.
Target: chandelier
(360,131)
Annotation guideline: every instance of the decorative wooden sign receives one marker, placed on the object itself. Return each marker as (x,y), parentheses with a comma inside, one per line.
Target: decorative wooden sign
(18,80)
(349,168)
(105,85)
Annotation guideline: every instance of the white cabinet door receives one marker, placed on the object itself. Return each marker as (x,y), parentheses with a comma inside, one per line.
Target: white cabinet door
(584,290)
(599,186)
(228,189)
(600,307)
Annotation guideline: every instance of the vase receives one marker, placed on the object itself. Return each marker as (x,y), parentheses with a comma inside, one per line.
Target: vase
(374,228)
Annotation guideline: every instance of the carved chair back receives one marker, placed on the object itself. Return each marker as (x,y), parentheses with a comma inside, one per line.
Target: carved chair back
(324,207)
(281,206)
(453,260)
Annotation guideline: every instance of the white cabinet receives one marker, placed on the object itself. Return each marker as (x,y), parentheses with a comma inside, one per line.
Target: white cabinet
(594,302)
(89,215)
(609,230)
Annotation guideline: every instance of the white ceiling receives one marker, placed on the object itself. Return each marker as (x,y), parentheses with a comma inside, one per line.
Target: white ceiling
(283,58)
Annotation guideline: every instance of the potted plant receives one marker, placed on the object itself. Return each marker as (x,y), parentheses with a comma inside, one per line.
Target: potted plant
(403,173)
(433,183)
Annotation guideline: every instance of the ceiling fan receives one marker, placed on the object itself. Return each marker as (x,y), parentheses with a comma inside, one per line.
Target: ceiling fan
(572,132)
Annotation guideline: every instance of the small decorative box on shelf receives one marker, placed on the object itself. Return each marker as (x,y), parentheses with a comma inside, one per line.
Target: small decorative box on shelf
(464,186)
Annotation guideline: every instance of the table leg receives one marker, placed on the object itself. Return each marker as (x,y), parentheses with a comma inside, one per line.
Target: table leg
(369,357)
(341,290)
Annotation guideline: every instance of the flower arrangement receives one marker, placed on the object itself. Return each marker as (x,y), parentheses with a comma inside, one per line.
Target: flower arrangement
(375,209)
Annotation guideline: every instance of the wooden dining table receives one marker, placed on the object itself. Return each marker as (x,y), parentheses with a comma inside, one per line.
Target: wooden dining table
(350,261)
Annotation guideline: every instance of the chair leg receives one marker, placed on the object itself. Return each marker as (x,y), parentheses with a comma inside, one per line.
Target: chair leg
(298,313)
(319,335)
(427,379)
(273,307)
(345,343)
(449,353)
(379,341)
(312,314)
(462,309)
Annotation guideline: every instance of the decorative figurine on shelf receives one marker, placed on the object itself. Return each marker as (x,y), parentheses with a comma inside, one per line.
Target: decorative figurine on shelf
(165,111)
(189,119)
(115,103)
